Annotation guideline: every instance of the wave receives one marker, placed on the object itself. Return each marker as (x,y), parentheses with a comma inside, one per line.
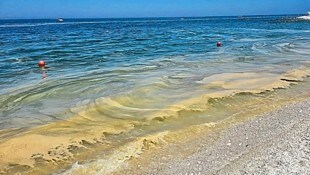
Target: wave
(291,47)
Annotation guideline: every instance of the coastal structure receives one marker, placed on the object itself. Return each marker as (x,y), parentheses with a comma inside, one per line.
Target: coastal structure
(306,17)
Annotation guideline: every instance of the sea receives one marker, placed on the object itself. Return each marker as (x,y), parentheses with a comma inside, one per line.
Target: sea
(114,82)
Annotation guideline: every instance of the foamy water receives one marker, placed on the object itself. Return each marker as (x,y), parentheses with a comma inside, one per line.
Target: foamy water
(306,17)
(113,79)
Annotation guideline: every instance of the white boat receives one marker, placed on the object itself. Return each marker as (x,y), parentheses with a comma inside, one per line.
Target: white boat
(60,20)
(307,17)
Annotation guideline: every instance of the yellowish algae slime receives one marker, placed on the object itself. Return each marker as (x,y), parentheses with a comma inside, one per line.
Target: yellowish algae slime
(52,142)
(119,157)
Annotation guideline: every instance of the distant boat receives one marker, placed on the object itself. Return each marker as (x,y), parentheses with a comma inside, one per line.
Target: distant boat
(307,17)
(60,20)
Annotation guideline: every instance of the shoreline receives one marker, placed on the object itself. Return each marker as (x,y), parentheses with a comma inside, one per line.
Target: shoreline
(127,157)
(275,142)
(182,143)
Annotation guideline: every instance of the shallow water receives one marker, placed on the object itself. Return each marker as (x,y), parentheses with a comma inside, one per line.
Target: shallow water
(114,76)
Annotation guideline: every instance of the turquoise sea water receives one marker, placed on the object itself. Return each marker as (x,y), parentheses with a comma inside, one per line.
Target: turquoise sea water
(111,82)
(89,59)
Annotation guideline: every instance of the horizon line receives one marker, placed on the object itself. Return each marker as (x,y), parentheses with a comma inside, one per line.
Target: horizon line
(149,17)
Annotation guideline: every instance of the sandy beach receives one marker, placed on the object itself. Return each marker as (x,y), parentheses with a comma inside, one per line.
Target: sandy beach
(276,142)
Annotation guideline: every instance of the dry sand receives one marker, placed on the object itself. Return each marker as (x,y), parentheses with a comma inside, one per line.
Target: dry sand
(277,142)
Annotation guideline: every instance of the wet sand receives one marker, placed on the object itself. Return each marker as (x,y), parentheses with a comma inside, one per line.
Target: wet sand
(276,142)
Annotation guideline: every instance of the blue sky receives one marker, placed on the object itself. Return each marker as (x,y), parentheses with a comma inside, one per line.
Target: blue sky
(146,8)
